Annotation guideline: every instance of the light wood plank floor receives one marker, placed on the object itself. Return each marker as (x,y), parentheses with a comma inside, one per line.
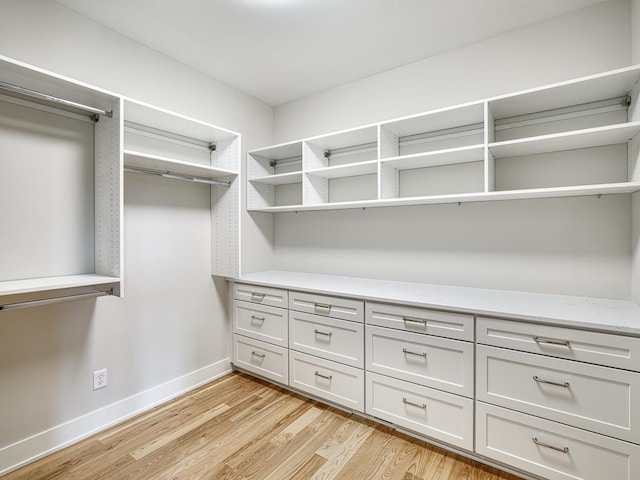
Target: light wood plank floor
(239,427)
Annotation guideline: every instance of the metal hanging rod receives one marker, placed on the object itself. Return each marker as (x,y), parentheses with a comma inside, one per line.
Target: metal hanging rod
(165,136)
(444,134)
(364,147)
(49,301)
(55,100)
(564,113)
(176,176)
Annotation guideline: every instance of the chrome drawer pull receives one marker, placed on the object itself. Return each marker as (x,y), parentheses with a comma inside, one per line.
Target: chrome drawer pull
(552,447)
(414,320)
(409,352)
(259,319)
(259,355)
(326,377)
(407,402)
(257,297)
(552,341)
(326,334)
(322,308)
(549,382)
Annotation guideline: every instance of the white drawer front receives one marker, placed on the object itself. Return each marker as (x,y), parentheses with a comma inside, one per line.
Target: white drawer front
(274,297)
(264,359)
(338,340)
(260,322)
(600,399)
(444,324)
(538,446)
(592,347)
(436,414)
(344,308)
(430,361)
(329,380)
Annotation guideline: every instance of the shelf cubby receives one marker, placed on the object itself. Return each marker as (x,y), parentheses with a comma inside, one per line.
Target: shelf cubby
(165,143)
(275,176)
(61,186)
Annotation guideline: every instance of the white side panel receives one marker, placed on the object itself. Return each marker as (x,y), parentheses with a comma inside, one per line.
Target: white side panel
(109,194)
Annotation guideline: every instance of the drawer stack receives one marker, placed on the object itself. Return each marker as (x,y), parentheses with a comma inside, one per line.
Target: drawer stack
(419,366)
(558,402)
(260,331)
(326,348)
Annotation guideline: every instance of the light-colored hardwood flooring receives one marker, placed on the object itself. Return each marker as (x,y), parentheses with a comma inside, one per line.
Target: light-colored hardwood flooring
(239,427)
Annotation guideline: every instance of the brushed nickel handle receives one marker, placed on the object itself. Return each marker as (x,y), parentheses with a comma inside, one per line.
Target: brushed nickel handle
(549,382)
(552,447)
(326,334)
(552,341)
(256,354)
(326,377)
(257,297)
(407,402)
(421,321)
(259,319)
(322,308)
(409,352)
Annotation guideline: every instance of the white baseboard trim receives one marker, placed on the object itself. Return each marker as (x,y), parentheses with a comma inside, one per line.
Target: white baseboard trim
(44,443)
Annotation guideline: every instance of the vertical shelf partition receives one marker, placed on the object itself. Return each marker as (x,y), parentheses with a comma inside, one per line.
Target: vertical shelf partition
(580,137)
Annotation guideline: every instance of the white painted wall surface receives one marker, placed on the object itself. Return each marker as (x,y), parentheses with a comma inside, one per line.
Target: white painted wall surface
(171,329)
(578,246)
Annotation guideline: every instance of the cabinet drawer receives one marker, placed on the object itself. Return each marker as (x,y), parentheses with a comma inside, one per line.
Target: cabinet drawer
(430,361)
(551,450)
(592,347)
(260,322)
(420,320)
(274,297)
(344,308)
(329,380)
(600,399)
(329,338)
(436,414)
(264,359)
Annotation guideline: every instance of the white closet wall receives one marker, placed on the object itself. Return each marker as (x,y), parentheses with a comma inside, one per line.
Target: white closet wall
(577,246)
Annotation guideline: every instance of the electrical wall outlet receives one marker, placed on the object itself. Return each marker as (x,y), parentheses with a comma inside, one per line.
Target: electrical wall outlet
(99,379)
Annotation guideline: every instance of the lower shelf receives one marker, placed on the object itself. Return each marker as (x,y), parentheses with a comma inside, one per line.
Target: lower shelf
(37,291)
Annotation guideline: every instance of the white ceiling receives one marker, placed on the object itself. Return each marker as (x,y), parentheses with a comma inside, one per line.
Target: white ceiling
(281,50)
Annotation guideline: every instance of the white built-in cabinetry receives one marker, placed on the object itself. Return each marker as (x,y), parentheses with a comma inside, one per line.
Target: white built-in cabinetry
(62,145)
(170,145)
(543,385)
(60,187)
(568,139)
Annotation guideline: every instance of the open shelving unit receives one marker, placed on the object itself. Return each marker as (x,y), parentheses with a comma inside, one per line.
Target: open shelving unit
(170,145)
(64,147)
(573,138)
(61,188)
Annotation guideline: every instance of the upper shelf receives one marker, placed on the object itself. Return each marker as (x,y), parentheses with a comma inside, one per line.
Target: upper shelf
(159,139)
(573,138)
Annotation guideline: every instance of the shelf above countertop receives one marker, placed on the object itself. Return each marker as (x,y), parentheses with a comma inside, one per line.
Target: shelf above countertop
(169,165)
(606,315)
(551,192)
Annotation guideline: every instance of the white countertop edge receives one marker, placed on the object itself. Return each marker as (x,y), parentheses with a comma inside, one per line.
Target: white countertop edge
(607,315)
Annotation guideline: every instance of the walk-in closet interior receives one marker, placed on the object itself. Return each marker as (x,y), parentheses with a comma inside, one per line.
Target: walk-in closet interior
(424,214)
